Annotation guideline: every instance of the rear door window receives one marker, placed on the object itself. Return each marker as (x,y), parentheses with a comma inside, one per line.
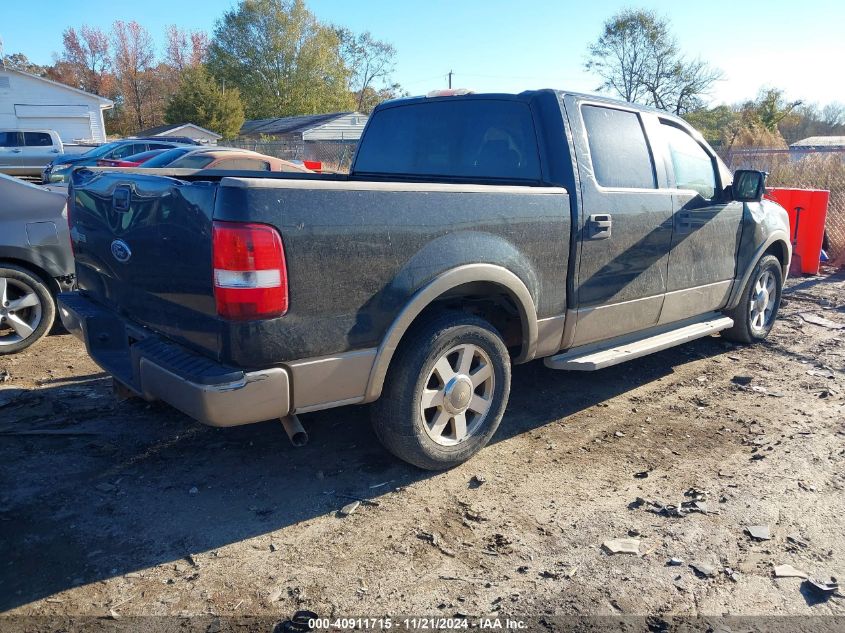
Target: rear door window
(455,138)
(618,149)
(9,139)
(37,139)
(693,167)
(128,150)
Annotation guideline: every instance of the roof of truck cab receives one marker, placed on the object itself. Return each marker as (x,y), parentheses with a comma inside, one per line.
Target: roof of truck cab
(526,95)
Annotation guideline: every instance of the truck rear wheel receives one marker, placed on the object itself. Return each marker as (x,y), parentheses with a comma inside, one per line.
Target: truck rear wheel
(445,393)
(758,305)
(27,309)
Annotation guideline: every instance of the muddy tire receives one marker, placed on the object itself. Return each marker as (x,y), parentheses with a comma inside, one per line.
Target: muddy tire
(27,309)
(758,305)
(445,392)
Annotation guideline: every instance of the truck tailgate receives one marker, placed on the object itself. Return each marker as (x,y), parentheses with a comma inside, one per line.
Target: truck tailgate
(143,247)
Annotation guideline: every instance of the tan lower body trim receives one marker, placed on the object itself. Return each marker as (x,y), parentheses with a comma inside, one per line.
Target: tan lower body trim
(320,383)
(604,322)
(681,304)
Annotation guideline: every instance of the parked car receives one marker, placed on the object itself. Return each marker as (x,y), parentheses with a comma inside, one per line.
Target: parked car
(59,169)
(36,261)
(131,161)
(168,156)
(227,158)
(473,232)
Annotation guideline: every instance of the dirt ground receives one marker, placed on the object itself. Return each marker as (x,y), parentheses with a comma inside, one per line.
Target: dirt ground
(118,509)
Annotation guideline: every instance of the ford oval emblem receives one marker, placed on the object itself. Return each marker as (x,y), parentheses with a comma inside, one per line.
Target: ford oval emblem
(121,251)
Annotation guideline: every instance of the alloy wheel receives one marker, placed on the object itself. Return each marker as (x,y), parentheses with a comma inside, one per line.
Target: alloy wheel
(763,299)
(20,311)
(458,394)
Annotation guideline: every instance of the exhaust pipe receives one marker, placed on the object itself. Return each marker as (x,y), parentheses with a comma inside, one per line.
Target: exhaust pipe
(294,429)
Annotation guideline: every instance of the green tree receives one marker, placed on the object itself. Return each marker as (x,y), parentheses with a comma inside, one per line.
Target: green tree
(201,101)
(712,122)
(770,107)
(21,62)
(281,58)
(638,59)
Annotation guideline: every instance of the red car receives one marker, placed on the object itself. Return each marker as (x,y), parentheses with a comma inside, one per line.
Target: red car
(131,161)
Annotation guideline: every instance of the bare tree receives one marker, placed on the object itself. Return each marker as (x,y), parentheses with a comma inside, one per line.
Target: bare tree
(638,59)
(369,61)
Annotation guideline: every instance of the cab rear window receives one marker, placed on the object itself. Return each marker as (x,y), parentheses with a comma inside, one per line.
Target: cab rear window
(465,139)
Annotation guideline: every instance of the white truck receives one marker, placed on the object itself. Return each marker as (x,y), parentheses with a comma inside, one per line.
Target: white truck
(27,152)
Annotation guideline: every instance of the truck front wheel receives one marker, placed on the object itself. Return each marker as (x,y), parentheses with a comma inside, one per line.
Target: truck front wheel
(758,305)
(445,393)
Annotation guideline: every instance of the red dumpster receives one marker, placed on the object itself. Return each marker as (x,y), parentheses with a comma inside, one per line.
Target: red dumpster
(807,210)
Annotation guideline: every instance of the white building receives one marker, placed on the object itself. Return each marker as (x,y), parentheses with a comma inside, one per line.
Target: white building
(29,102)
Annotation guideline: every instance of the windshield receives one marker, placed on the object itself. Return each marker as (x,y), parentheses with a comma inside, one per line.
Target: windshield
(165,158)
(101,150)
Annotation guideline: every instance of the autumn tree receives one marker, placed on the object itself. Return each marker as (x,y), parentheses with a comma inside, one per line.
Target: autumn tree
(201,101)
(139,80)
(281,58)
(86,58)
(638,59)
(810,119)
(370,62)
(185,49)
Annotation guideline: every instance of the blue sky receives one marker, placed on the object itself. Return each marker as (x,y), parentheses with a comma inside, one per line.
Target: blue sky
(510,46)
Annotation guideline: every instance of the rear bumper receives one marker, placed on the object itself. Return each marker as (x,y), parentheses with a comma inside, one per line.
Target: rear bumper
(157,369)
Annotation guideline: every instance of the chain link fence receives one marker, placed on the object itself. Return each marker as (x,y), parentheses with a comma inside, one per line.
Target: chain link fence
(336,156)
(804,169)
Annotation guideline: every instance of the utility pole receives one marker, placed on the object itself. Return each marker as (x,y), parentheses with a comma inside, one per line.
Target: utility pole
(450,79)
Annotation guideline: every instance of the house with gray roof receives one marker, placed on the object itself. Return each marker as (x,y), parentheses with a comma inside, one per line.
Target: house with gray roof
(333,127)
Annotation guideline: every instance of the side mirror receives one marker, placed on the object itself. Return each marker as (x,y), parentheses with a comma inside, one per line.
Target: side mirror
(749,185)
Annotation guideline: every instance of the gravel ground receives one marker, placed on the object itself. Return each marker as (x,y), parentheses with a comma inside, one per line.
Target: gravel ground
(114,509)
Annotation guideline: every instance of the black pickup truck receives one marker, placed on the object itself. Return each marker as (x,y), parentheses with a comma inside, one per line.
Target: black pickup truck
(473,232)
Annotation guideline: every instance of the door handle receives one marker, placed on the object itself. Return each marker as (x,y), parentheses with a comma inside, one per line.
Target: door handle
(600,226)
(16,151)
(684,222)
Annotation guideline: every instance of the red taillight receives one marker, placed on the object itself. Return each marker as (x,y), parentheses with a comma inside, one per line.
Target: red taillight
(313,165)
(250,276)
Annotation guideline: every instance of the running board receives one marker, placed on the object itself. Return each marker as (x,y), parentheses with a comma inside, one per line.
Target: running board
(607,353)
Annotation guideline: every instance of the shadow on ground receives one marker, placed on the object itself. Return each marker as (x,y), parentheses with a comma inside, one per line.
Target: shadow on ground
(94,489)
